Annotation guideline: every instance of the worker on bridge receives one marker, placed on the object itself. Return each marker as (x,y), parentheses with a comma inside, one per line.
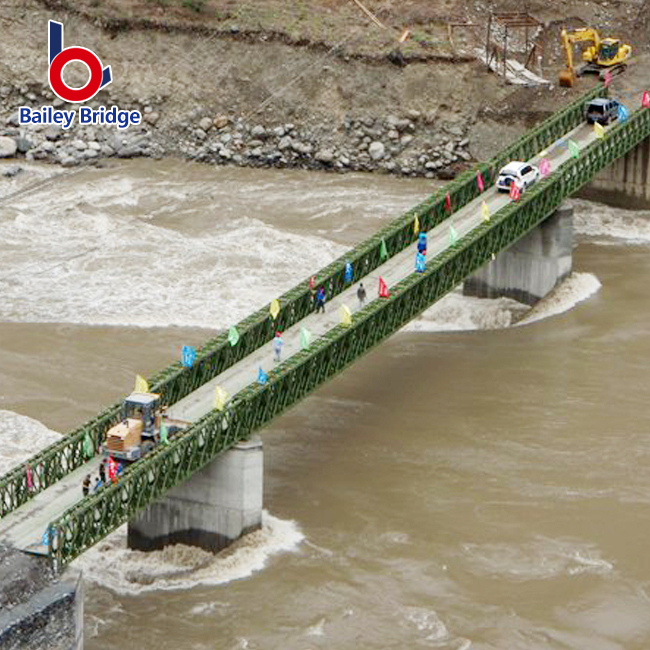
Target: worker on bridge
(422,243)
(361,295)
(320,300)
(277,346)
(85,486)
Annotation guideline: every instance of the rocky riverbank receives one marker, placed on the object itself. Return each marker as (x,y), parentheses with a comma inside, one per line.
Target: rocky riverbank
(411,143)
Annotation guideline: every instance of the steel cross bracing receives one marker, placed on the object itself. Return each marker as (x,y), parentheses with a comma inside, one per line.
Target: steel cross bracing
(255,406)
(176,382)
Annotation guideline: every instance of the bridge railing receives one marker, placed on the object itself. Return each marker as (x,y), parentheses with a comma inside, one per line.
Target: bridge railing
(215,356)
(89,521)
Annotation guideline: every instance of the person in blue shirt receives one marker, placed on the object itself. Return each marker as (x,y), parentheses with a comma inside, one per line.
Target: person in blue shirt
(320,300)
(422,243)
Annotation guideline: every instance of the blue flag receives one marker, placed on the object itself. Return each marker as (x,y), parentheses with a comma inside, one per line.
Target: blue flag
(348,272)
(45,540)
(623,113)
(262,377)
(189,355)
(420,263)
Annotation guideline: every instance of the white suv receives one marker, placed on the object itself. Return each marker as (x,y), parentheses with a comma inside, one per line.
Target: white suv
(521,174)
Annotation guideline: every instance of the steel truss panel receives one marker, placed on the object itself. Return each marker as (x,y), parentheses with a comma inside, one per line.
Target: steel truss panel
(255,406)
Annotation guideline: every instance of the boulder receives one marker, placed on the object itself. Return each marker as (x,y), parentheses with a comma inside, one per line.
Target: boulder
(258,131)
(152,118)
(221,121)
(23,144)
(376,150)
(205,124)
(325,156)
(8,147)
(53,133)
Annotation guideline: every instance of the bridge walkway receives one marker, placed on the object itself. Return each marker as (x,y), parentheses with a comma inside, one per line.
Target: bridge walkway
(25,527)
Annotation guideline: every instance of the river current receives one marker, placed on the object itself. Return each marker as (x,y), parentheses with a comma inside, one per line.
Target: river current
(478,481)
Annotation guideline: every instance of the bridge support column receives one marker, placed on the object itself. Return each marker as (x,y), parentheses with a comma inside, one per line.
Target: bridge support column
(212,509)
(531,267)
(625,183)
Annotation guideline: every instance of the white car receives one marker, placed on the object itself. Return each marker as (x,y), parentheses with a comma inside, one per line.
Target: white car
(522,174)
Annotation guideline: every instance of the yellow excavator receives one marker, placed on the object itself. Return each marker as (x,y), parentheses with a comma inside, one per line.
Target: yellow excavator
(603,55)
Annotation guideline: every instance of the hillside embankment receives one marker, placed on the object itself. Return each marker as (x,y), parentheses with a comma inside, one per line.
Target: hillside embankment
(315,84)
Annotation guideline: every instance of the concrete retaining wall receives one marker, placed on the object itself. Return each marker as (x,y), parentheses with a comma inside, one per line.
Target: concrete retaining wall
(51,619)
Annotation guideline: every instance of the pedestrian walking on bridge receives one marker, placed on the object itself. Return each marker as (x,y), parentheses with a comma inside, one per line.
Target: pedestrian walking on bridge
(277,346)
(320,300)
(85,486)
(361,295)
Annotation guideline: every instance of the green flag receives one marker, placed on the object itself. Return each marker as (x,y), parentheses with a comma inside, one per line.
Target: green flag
(574,149)
(453,235)
(305,338)
(383,251)
(233,336)
(89,450)
(164,436)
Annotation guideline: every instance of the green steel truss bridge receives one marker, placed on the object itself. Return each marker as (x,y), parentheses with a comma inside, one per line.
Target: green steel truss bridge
(41,507)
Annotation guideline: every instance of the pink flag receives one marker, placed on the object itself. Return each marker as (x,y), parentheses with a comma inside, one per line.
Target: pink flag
(544,167)
(383,289)
(645,100)
(479,182)
(607,78)
(448,202)
(30,483)
(515,192)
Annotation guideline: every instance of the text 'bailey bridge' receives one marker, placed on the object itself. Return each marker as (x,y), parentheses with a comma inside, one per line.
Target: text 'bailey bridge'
(41,507)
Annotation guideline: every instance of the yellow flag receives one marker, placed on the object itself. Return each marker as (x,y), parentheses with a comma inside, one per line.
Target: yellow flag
(599,130)
(346,315)
(275,308)
(141,385)
(220,397)
(485,211)
(416,225)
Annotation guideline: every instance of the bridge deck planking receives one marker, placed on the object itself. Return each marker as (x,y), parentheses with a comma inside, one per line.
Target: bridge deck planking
(24,527)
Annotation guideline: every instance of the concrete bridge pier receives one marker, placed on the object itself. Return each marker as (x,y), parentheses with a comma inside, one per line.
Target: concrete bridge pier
(212,509)
(625,183)
(531,267)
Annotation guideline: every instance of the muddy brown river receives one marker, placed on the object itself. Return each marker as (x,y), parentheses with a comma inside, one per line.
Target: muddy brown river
(478,481)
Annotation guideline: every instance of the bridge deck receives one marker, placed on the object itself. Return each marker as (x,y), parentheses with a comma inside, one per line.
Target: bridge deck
(24,527)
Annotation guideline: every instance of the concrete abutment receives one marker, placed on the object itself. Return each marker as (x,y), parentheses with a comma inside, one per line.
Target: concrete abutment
(530,268)
(212,509)
(625,183)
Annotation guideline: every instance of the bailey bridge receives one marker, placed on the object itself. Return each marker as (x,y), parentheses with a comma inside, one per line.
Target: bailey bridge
(166,494)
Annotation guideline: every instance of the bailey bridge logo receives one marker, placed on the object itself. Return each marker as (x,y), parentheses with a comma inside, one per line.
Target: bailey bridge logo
(99,77)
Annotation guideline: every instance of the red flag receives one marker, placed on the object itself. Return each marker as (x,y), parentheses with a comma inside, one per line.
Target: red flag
(383,289)
(607,78)
(515,192)
(645,101)
(479,182)
(30,483)
(112,470)
(448,202)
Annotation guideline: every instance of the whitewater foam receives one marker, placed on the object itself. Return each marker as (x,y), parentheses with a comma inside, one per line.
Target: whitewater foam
(112,565)
(606,225)
(575,289)
(21,437)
